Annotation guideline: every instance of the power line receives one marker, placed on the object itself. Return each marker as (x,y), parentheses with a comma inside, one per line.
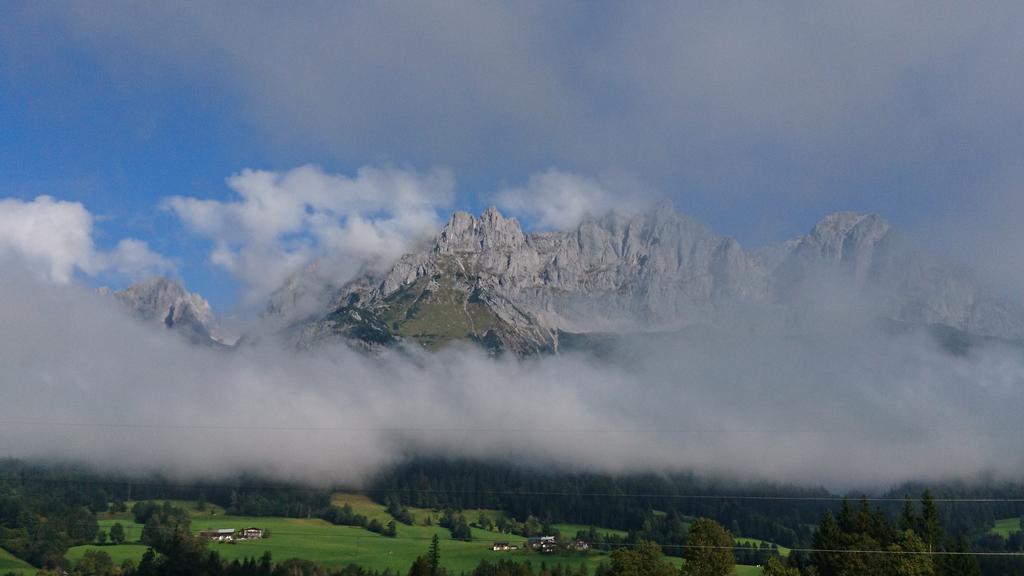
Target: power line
(523,493)
(439,429)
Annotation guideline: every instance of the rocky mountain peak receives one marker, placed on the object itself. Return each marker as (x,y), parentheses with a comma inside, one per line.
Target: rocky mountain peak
(664,210)
(491,231)
(838,229)
(167,302)
(847,240)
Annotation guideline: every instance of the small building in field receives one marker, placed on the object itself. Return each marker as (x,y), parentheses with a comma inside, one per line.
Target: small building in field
(500,546)
(543,544)
(579,545)
(220,535)
(251,533)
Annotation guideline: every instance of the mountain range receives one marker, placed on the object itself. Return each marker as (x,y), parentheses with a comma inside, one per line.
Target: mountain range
(484,279)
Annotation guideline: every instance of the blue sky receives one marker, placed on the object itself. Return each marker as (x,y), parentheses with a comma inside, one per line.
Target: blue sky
(755,119)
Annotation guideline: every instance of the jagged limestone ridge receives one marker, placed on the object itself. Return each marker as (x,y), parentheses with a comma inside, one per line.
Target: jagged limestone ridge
(483,278)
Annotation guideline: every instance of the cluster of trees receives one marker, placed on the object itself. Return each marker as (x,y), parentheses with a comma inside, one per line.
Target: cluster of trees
(863,540)
(398,511)
(991,501)
(507,567)
(272,501)
(116,535)
(38,523)
(163,524)
(345,515)
(755,554)
(530,526)
(207,563)
(458,525)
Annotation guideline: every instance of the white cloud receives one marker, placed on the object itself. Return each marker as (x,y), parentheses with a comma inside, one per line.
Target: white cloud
(56,239)
(848,406)
(281,221)
(558,200)
(134,259)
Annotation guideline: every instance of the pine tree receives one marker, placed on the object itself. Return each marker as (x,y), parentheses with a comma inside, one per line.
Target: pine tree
(827,539)
(846,517)
(929,525)
(958,564)
(907,519)
(420,567)
(434,556)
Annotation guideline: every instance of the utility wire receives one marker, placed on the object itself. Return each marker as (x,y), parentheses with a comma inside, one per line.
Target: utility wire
(427,429)
(561,494)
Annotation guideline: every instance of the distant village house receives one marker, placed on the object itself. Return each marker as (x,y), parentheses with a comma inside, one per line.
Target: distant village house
(579,545)
(230,534)
(543,544)
(251,533)
(221,535)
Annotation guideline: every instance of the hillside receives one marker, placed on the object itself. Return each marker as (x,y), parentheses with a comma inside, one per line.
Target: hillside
(336,546)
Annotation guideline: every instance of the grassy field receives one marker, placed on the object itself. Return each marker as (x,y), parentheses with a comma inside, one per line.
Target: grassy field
(1004,526)
(9,563)
(118,553)
(571,530)
(783,551)
(336,546)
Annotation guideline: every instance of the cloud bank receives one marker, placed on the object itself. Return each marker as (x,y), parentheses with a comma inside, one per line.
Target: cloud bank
(280,222)
(843,403)
(56,238)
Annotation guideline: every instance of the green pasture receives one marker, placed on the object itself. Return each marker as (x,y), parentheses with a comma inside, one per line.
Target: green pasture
(570,530)
(118,553)
(1005,526)
(783,551)
(335,546)
(8,563)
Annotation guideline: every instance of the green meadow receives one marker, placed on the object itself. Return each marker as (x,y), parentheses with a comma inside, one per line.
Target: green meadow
(9,563)
(783,551)
(335,546)
(1005,526)
(572,529)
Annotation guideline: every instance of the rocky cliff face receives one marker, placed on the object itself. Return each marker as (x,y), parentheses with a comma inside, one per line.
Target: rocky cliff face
(484,279)
(164,301)
(862,255)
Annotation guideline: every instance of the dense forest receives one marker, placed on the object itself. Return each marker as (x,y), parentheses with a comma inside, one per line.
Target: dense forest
(44,510)
(784,514)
